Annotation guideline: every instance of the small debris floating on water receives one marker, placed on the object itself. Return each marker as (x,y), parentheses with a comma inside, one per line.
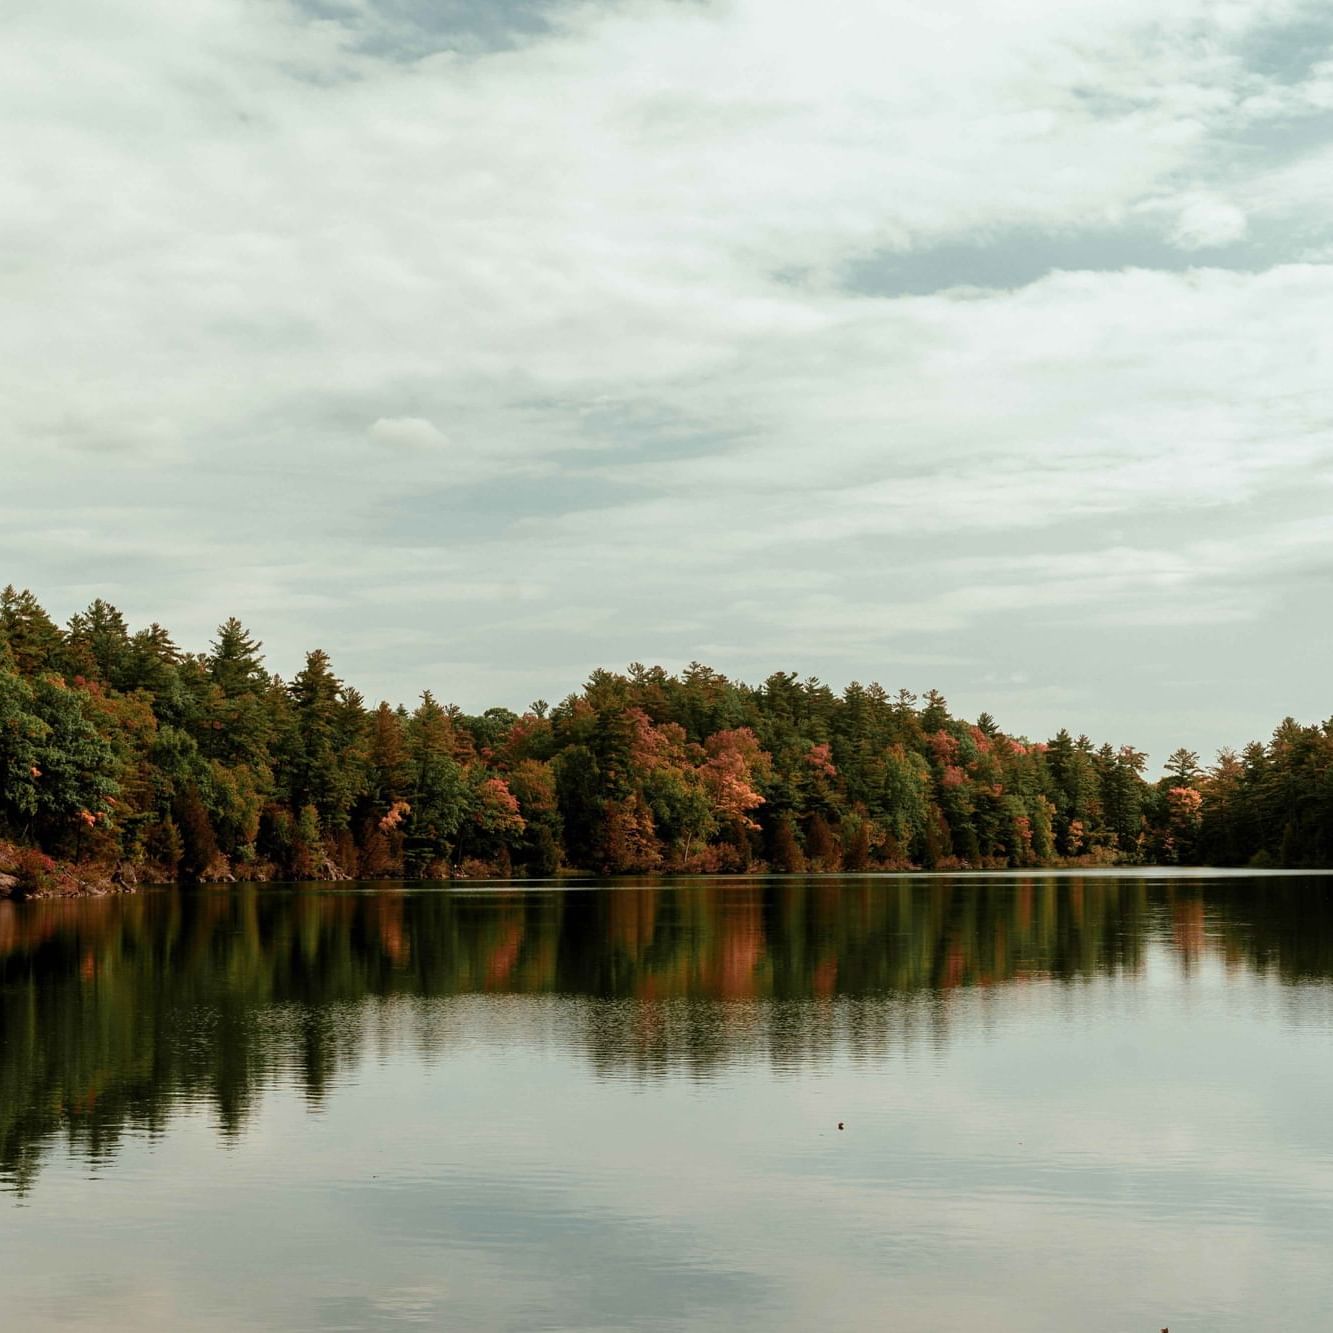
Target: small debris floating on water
(839,1124)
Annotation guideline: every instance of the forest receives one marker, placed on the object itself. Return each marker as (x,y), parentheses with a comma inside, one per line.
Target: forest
(120,750)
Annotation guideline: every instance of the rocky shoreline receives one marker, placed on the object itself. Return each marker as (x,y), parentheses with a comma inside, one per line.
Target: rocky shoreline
(20,880)
(28,874)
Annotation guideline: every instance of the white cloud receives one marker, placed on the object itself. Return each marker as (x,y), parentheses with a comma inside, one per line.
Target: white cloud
(234,237)
(1205,222)
(407,433)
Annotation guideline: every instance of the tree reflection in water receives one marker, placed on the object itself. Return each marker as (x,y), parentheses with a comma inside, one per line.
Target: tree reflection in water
(116,1011)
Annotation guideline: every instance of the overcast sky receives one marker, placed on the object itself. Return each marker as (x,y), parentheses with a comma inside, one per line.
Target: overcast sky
(482,342)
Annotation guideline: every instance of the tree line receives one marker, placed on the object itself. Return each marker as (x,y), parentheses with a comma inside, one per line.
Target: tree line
(119,749)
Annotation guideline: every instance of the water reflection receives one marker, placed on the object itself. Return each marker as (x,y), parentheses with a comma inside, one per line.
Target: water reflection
(116,1012)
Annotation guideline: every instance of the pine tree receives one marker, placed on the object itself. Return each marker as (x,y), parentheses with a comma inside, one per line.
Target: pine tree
(34,640)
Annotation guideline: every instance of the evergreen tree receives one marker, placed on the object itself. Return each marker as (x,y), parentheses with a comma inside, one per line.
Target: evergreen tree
(34,641)
(97,645)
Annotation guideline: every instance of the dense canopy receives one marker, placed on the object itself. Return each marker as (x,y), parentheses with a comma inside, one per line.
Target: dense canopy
(120,749)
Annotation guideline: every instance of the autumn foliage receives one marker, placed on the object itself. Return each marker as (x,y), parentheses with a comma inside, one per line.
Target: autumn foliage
(117,747)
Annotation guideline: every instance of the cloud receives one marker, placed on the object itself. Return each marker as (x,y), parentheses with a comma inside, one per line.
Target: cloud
(407,433)
(1208,222)
(609,245)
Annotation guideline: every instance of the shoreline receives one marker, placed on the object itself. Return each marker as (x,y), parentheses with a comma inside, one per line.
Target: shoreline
(71,880)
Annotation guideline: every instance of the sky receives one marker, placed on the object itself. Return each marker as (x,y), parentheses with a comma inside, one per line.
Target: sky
(485,342)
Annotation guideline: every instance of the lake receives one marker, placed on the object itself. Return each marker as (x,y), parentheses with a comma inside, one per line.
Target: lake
(1097,1101)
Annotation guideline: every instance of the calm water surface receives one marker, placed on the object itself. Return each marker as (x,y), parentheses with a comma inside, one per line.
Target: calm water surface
(1071,1102)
